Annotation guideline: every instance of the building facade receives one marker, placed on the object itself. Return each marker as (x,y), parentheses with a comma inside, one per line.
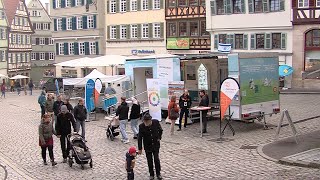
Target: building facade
(78,31)
(186,27)
(252,26)
(3,40)
(306,32)
(135,27)
(20,31)
(42,56)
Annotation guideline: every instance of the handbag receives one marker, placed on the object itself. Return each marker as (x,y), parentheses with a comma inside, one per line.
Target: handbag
(173,114)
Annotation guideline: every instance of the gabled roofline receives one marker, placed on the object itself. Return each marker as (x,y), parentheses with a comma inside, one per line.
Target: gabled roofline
(42,8)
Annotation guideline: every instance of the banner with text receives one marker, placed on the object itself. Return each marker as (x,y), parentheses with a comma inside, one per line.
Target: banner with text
(88,94)
(154,100)
(228,90)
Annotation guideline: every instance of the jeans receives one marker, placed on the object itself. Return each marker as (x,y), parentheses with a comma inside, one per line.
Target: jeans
(43,110)
(44,152)
(186,112)
(83,127)
(3,94)
(123,125)
(150,155)
(65,150)
(134,127)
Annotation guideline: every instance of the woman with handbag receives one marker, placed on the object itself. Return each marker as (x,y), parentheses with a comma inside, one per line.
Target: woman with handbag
(173,112)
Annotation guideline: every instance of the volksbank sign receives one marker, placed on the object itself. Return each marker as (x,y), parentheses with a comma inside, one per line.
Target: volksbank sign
(137,51)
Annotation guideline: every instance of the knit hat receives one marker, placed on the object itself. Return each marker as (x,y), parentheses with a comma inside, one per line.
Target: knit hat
(132,150)
(64,109)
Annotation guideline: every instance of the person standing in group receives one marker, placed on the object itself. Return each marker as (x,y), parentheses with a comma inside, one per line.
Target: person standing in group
(18,87)
(66,101)
(184,104)
(122,112)
(150,134)
(12,86)
(31,85)
(46,139)
(49,105)
(134,117)
(3,89)
(56,107)
(130,162)
(42,102)
(205,103)
(109,93)
(41,83)
(80,114)
(173,113)
(63,128)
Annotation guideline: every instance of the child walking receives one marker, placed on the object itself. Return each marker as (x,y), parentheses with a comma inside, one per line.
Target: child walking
(46,139)
(130,162)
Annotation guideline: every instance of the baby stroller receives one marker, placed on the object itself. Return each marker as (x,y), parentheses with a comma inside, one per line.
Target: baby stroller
(79,151)
(113,125)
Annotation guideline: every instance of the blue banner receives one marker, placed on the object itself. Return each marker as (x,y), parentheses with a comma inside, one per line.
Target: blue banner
(57,87)
(88,94)
(285,70)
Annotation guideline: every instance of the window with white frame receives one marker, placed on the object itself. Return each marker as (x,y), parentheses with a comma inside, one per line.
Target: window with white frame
(61,49)
(71,48)
(28,39)
(58,3)
(156,4)
(123,30)
(113,4)
(134,5)
(34,13)
(59,24)
(93,49)
(79,22)
(14,40)
(90,22)
(45,26)
(144,5)
(81,48)
(27,57)
(145,31)
(38,26)
(318,3)
(156,30)
(69,23)
(42,56)
(22,57)
(19,38)
(42,41)
(33,56)
(51,56)
(22,39)
(18,57)
(77,2)
(123,5)
(304,3)
(113,32)
(51,41)
(68,3)
(134,31)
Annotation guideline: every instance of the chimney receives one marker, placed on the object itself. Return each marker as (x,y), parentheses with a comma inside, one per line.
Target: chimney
(47,8)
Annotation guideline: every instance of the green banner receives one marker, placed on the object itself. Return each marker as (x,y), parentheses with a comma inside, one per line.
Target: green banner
(178,43)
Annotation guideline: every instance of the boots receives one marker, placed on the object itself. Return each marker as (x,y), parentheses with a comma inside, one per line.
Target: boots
(53,163)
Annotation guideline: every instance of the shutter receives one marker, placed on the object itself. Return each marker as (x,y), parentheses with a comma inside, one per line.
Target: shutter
(37,41)
(76,48)
(161,4)
(64,23)
(128,31)
(46,56)
(108,32)
(267,40)
(243,6)
(282,5)
(37,56)
(94,21)
(54,4)
(231,40)
(57,49)
(117,6)
(283,40)
(139,31)
(118,31)
(150,29)
(46,41)
(139,5)
(150,4)
(245,41)
(128,5)
(82,2)
(216,41)
(73,3)
(74,23)
(86,48)
(84,22)
(161,30)
(97,47)
(253,41)
(66,49)
(49,26)
(108,6)
(55,24)
(213,7)
(251,6)
(265,5)
(63,3)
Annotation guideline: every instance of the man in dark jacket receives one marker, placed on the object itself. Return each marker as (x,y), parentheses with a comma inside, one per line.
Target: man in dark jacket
(80,113)
(205,103)
(122,112)
(150,132)
(185,104)
(57,105)
(63,128)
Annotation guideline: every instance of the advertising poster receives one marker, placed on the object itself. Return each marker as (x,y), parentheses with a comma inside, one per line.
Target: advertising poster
(88,94)
(178,43)
(259,80)
(175,88)
(228,90)
(165,69)
(154,100)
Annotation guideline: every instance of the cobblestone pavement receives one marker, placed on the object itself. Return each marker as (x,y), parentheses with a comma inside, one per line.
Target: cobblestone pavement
(183,156)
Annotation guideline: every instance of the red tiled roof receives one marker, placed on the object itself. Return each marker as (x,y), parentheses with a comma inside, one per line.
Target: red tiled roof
(10,7)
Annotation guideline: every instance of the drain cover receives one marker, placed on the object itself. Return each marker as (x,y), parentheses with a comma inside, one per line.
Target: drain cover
(248,147)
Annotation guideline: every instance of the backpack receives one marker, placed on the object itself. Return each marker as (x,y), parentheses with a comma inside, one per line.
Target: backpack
(173,114)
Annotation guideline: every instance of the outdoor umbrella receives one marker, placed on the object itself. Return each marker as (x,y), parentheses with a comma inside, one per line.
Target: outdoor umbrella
(285,70)
(3,76)
(19,77)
